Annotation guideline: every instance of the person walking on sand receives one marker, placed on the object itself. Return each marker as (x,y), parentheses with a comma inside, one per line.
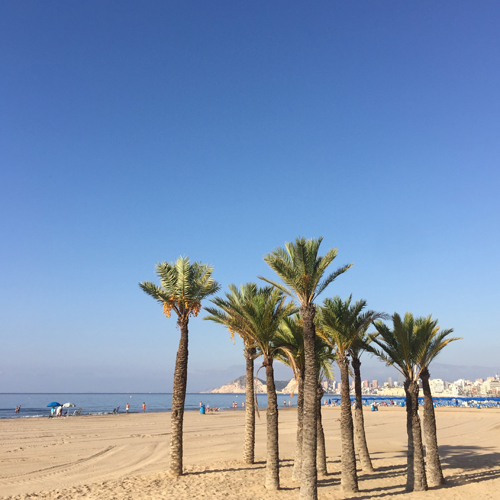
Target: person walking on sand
(143,407)
(127,407)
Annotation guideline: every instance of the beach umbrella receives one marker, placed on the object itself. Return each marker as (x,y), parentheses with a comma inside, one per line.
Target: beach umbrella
(54,404)
(68,405)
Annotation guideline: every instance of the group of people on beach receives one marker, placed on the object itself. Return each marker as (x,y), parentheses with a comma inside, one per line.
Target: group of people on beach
(206,408)
(56,412)
(127,407)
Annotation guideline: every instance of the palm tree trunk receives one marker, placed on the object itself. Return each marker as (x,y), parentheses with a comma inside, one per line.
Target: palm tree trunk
(416,480)
(349,478)
(178,399)
(433,463)
(272,465)
(309,478)
(410,479)
(359,421)
(297,464)
(249,447)
(321,449)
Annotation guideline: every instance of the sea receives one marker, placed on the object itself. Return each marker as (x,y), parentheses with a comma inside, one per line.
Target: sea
(35,404)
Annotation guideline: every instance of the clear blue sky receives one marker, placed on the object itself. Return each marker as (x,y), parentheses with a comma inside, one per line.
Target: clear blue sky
(134,132)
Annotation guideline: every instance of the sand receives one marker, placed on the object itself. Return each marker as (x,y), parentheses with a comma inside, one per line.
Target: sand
(126,457)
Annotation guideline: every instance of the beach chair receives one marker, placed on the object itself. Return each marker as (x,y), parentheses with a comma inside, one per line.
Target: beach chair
(77,412)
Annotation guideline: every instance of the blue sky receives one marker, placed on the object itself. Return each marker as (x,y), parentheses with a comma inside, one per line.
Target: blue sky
(132,133)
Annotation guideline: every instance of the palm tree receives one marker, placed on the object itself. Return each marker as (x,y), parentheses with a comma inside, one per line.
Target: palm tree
(361,344)
(182,288)
(301,270)
(400,347)
(259,318)
(340,324)
(435,340)
(228,313)
(291,334)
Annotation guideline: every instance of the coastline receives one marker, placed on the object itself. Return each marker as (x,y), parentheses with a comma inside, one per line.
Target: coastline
(34,405)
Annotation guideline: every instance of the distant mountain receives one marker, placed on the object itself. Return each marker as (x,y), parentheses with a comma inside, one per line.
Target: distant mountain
(238,386)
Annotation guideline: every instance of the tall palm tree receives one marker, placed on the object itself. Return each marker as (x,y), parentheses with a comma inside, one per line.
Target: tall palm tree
(302,272)
(259,318)
(291,334)
(228,312)
(182,288)
(435,341)
(400,347)
(340,324)
(360,345)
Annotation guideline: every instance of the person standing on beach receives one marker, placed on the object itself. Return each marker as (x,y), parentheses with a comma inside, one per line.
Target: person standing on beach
(143,407)
(127,407)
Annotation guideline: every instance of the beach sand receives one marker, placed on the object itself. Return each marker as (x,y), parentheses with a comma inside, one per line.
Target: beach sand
(126,457)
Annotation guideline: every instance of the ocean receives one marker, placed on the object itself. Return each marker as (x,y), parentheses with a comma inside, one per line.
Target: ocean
(35,405)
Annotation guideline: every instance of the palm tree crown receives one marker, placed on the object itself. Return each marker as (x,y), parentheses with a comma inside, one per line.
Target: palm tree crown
(183,286)
(254,313)
(434,340)
(302,269)
(229,311)
(342,324)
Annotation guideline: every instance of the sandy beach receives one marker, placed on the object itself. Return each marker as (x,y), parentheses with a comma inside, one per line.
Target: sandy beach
(126,456)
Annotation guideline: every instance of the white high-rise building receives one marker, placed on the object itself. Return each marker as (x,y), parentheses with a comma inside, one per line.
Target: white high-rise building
(437,385)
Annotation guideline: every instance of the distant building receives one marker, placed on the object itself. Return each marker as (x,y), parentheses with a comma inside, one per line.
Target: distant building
(437,385)
(374,384)
(480,380)
(329,386)
(366,384)
(389,380)
(490,387)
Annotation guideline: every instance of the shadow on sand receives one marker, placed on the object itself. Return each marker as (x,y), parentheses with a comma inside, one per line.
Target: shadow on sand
(469,459)
(471,464)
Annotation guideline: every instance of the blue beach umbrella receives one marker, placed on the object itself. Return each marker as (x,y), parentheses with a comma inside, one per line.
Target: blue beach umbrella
(53,404)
